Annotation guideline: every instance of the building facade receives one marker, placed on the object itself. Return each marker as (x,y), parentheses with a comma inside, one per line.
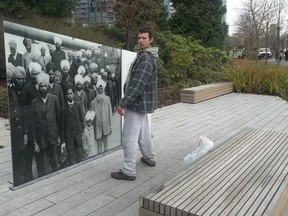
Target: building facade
(94,11)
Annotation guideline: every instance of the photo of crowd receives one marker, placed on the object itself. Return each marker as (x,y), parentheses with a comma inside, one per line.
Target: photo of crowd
(62,101)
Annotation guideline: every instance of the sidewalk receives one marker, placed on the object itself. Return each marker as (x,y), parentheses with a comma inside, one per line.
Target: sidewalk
(87,189)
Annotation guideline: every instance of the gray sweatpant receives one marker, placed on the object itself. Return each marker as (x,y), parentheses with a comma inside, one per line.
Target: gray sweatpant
(136,130)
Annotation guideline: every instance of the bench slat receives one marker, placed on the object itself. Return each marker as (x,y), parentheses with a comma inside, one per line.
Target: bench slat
(244,175)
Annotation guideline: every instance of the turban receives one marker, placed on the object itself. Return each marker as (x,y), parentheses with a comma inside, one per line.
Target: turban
(57,40)
(58,74)
(19,72)
(93,66)
(42,77)
(87,79)
(35,66)
(27,41)
(101,83)
(78,78)
(94,76)
(34,57)
(81,70)
(90,115)
(97,51)
(12,43)
(105,55)
(65,63)
(79,53)
(102,71)
(9,71)
(88,52)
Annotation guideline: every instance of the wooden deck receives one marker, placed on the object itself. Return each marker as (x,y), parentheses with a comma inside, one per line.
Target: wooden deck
(87,189)
(245,175)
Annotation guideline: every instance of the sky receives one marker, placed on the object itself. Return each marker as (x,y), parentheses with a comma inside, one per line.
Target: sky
(233,8)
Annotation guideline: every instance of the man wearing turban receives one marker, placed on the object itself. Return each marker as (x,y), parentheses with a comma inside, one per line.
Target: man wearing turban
(27,42)
(15,58)
(46,126)
(43,59)
(67,80)
(103,120)
(79,94)
(57,55)
(30,92)
(17,124)
(90,94)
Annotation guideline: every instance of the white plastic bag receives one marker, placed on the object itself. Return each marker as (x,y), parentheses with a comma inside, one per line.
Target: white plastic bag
(205,144)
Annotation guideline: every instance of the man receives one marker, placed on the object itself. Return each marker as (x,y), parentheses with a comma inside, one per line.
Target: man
(17,124)
(46,125)
(53,87)
(72,128)
(103,117)
(15,58)
(27,42)
(90,94)
(140,98)
(66,80)
(79,94)
(43,59)
(30,92)
(58,55)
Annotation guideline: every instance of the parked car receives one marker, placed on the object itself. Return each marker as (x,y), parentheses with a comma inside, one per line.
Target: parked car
(262,53)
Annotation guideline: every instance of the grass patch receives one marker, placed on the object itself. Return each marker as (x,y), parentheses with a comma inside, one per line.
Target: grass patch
(258,78)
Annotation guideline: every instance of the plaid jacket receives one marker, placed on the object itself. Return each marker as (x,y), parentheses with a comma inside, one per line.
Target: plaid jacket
(141,91)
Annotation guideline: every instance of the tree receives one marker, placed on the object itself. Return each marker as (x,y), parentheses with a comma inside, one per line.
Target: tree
(203,20)
(47,8)
(253,22)
(130,14)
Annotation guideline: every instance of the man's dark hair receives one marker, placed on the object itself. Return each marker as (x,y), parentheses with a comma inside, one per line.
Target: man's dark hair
(51,66)
(147,30)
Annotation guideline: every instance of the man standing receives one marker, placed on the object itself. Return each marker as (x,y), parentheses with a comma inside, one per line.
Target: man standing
(103,119)
(17,124)
(58,54)
(30,92)
(43,59)
(45,132)
(72,128)
(140,98)
(15,58)
(53,87)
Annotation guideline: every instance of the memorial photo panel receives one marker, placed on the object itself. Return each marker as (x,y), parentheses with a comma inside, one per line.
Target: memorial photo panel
(63,98)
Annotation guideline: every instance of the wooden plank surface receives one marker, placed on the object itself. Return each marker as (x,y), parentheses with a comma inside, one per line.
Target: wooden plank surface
(204,92)
(245,175)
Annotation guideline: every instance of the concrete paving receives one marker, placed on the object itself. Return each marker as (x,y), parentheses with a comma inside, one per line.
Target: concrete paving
(88,189)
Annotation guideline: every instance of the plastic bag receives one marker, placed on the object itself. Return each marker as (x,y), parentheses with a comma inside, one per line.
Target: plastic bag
(205,144)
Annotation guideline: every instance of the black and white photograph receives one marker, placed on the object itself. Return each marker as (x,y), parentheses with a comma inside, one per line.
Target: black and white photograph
(63,96)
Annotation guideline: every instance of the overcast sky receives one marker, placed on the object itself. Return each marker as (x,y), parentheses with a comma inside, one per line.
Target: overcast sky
(233,8)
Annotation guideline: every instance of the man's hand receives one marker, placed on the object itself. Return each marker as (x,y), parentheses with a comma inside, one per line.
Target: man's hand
(36,147)
(63,145)
(121,110)
(25,139)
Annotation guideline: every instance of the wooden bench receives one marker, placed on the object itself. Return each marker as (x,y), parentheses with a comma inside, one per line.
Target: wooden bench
(204,92)
(245,175)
